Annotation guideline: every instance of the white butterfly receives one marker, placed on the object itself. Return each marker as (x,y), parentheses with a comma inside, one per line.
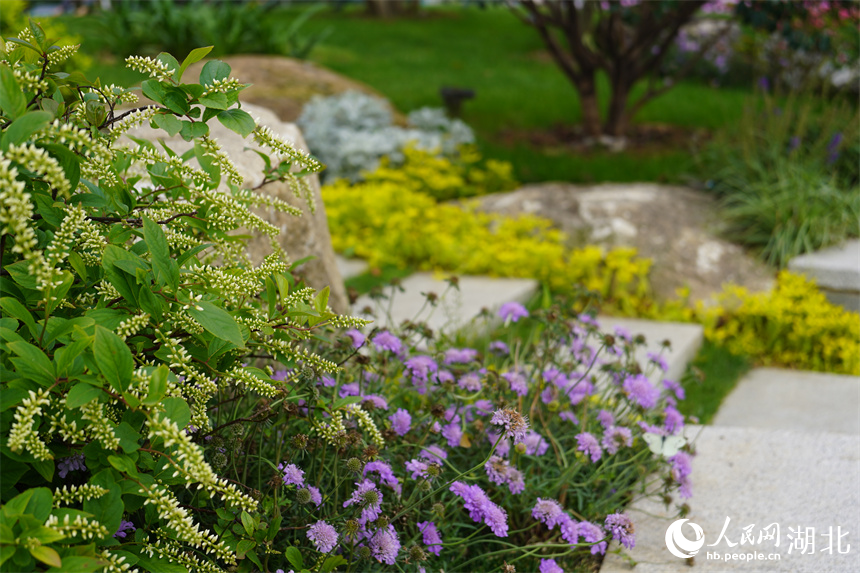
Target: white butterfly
(666,446)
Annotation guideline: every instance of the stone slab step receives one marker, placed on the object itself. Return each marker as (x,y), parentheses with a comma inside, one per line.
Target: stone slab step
(794,400)
(455,309)
(686,339)
(836,270)
(796,479)
(350,267)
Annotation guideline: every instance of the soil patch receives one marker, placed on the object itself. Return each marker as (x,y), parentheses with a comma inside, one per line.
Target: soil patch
(640,137)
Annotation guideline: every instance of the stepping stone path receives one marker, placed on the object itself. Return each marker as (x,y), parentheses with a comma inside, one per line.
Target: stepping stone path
(784,450)
(836,270)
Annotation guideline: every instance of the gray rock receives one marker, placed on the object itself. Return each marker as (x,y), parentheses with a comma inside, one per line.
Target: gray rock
(836,270)
(300,237)
(674,226)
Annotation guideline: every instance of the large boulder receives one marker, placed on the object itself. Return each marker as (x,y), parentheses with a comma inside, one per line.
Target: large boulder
(284,85)
(678,228)
(305,236)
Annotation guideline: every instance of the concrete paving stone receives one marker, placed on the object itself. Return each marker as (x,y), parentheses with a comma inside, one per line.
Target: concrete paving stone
(794,400)
(835,268)
(686,338)
(455,309)
(350,267)
(796,479)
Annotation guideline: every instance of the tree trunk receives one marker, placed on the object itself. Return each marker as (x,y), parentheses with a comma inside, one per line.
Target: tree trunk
(589,106)
(616,119)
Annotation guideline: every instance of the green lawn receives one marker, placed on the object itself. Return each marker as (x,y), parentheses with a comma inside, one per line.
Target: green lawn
(518,87)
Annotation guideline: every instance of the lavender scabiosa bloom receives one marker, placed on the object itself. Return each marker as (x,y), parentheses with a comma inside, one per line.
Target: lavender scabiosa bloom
(535,444)
(323,536)
(793,143)
(420,368)
(357,337)
(124,528)
(569,529)
(432,539)
(504,446)
(350,389)
(401,421)
(548,511)
(418,468)
(550,566)
(568,416)
(512,312)
(674,419)
(292,474)
(621,528)
(480,507)
(460,355)
(606,419)
(444,376)
(659,361)
(453,433)
(593,534)
(316,496)
(71,464)
(470,382)
(639,389)
(387,341)
(280,375)
(681,469)
(673,386)
(499,347)
(368,497)
(516,481)
(327,381)
(384,545)
(616,437)
(483,407)
(514,423)
(517,382)
(588,443)
(385,474)
(497,470)
(433,453)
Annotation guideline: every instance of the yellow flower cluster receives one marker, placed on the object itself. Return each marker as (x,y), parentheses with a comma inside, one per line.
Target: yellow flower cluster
(794,325)
(445,178)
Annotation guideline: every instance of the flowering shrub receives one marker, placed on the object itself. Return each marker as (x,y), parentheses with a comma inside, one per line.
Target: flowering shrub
(794,326)
(351,132)
(390,224)
(129,310)
(444,178)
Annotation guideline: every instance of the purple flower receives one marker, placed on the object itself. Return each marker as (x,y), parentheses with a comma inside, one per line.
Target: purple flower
(433,453)
(323,535)
(764,84)
(480,507)
(483,407)
(350,389)
(444,376)
(606,419)
(593,534)
(401,421)
(517,381)
(550,566)
(432,539)
(419,369)
(72,463)
(834,142)
(377,401)
(368,497)
(453,433)
(499,347)
(497,470)
(124,526)
(357,337)
(516,482)
(548,511)
(327,381)
(470,382)
(280,375)
(793,143)
(639,389)
(616,437)
(588,443)
(504,446)
(621,528)
(659,360)
(418,468)
(316,496)
(681,468)
(535,444)
(569,529)
(674,387)
(569,416)
(460,355)
(385,474)
(384,545)
(512,311)
(515,424)
(292,475)
(674,419)
(387,341)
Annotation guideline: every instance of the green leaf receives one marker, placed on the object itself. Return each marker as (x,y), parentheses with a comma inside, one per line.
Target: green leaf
(15,309)
(68,160)
(196,55)
(215,101)
(177,410)
(78,264)
(157,386)
(217,321)
(32,362)
(237,120)
(154,90)
(159,564)
(176,101)
(45,468)
(193,130)
(294,556)
(38,34)
(128,437)
(74,564)
(12,99)
(124,284)
(244,546)
(113,358)
(332,562)
(321,300)
(80,394)
(248,523)
(20,273)
(36,502)
(181,259)
(46,555)
(214,70)
(166,270)
(171,62)
(123,464)
(168,122)
(23,127)
(274,528)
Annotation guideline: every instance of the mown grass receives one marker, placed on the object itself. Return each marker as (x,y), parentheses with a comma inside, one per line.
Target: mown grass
(712,375)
